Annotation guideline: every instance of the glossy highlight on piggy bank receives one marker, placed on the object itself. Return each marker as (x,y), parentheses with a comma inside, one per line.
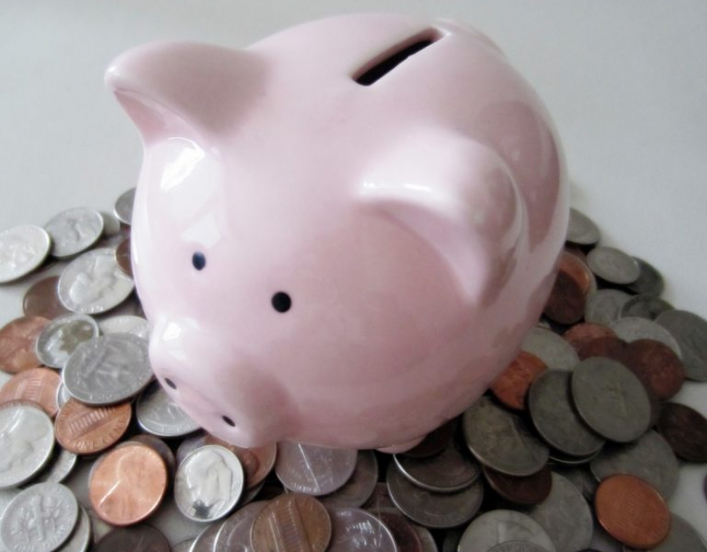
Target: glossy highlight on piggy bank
(341,233)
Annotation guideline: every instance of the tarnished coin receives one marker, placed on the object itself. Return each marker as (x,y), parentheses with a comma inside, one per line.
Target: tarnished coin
(354,529)
(124,206)
(428,541)
(59,467)
(435,441)
(74,231)
(157,413)
(645,306)
(632,328)
(501,440)
(108,369)
(208,483)
(379,500)
(525,491)
(17,343)
(451,540)
(122,256)
(613,265)
(511,387)
(581,229)
(581,478)
(235,531)
(62,335)
(26,442)
(518,546)
(690,331)
(94,283)
(685,430)
(632,511)
(607,347)
(139,538)
(682,537)
(22,250)
(84,429)
(431,509)
(291,523)
(584,332)
(206,540)
(604,306)
(359,488)
(569,294)
(404,534)
(313,470)
(39,519)
(257,462)
(657,366)
(610,399)
(549,347)
(125,323)
(42,299)
(80,539)
(38,385)
(186,546)
(499,526)
(649,282)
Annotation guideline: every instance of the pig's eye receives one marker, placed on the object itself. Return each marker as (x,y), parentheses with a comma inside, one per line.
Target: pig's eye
(198,260)
(281,302)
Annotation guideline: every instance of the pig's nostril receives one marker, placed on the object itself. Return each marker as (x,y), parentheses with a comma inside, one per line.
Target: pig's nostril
(170,383)
(229,421)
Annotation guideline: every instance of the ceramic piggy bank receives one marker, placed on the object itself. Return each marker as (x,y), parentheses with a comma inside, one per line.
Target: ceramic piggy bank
(342,233)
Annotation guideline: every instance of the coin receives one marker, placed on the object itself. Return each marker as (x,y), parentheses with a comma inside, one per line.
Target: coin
(435,441)
(517,546)
(354,529)
(613,265)
(38,385)
(235,531)
(186,546)
(158,414)
(549,347)
(124,206)
(573,284)
(359,488)
(632,511)
(17,343)
(257,462)
(313,470)
(161,448)
(607,347)
(108,369)
(657,366)
(292,522)
(206,540)
(499,526)
(42,299)
(62,335)
(22,250)
(139,538)
(604,306)
(80,539)
(581,229)
(581,478)
(583,332)
(379,500)
(84,429)
(644,306)
(649,281)
(682,537)
(404,534)
(511,387)
(685,430)
(632,328)
(525,491)
(690,331)
(125,323)
(122,256)
(59,467)
(74,231)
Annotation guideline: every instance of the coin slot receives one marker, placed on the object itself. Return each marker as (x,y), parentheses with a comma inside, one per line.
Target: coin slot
(229,421)
(379,67)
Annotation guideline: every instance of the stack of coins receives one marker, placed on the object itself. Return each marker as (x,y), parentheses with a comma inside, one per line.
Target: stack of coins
(577,441)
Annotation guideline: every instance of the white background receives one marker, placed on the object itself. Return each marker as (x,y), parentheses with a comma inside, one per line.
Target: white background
(625,81)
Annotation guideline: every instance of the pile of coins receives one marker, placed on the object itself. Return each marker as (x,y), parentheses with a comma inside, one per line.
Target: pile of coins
(576,439)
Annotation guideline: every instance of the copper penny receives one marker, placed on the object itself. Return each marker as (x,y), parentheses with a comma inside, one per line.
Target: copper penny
(632,511)
(292,523)
(84,429)
(17,342)
(42,299)
(685,430)
(657,366)
(609,347)
(526,491)
(161,448)
(511,387)
(257,462)
(404,534)
(576,251)
(435,441)
(38,385)
(127,484)
(580,333)
(122,255)
(569,294)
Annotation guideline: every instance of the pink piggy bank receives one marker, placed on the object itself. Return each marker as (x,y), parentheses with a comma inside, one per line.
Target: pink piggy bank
(342,233)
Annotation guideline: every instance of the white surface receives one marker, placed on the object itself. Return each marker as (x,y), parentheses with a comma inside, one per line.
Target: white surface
(626,83)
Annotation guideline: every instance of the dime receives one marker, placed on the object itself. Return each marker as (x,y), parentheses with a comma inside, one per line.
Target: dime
(682,537)
(94,283)
(645,306)
(359,488)
(613,265)
(549,347)
(74,231)
(62,335)
(124,206)
(581,229)
(60,466)
(17,343)
(632,511)
(354,529)
(125,323)
(22,250)
(292,522)
(235,531)
(404,534)
(525,491)
(38,385)
(604,306)
(257,462)
(208,483)
(84,429)
(122,256)
(511,387)
(108,369)
(140,538)
(632,328)
(42,299)
(569,294)
(685,430)
(81,537)
(690,331)
(649,281)
(579,334)
(499,526)
(158,414)
(313,470)
(657,366)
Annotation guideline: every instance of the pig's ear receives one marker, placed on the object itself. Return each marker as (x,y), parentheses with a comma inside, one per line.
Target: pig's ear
(184,89)
(459,197)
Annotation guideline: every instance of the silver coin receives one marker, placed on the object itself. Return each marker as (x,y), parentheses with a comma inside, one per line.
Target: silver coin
(430,509)
(80,539)
(206,540)
(313,470)
(158,414)
(125,323)
(62,395)
(604,306)
(184,546)
(428,541)
(649,282)
(354,529)
(565,515)
(567,460)
(208,483)
(111,225)
(449,471)
(683,537)
(108,369)
(501,440)
(235,531)
(189,445)
(645,306)
(613,265)
(94,283)
(62,335)
(74,231)
(649,458)
(26,442)
(632,328)
(581,229)
(690,332)
(611,399)
(60,467)
(22,250)
(499,526)
(359,488)
(124,206)
(517,546)
(549,347)
(580,478)
(39,519)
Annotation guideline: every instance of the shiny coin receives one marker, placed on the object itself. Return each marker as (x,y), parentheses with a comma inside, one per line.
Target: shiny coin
(62,335)
(290,523)
(649,281)
(501,440)
(122,256)
(359,488)
(517,546)
(158,414)
(313,470)
(161,448)
(22,250)
(38,385)
(140,538)
(610,399)
(17,343)
(613,265)
(74,231)
(431,509)
(257,462)
(60,466)
(62,395)
(39,519)
(235,531)
(206,540)
(685,430)
(125,323)
(645,306)
(573,284)
(511,387)
(108,369)
(604,306)
(26,442)
(656,365)
(632,328)
(208,483)
(690,331)
(581,229)
(42,299)
(549,347)
(111,225)
(404,534)
(499,526)
(93,283)
(682,537)
(354,529)
(525,491)
(84,429)
(80,539)
(124,206)
(632,511)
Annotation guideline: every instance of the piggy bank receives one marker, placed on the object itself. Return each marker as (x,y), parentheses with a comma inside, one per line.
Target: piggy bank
(341,233)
